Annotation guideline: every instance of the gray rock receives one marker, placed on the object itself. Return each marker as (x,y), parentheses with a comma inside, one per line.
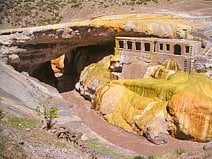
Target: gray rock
(84,137)
(208,146)
(157,131)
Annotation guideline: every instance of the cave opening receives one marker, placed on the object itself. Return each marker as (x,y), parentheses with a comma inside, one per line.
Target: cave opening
(64,72)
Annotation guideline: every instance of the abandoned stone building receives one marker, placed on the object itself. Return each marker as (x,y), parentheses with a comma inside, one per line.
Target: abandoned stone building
(137,53)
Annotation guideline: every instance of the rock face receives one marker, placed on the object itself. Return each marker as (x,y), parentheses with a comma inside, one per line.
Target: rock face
(129,110)
(26,89)
(150,107)
(192,113)
(82,42)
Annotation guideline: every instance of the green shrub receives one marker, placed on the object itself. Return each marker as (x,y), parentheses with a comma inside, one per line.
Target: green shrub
(139,157)
(1,114)
(48,112)
(179,151)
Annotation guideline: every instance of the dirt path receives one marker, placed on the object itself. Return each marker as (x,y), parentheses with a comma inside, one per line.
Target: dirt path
(118,136)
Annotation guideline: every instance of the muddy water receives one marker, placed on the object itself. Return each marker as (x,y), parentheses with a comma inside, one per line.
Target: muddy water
(119,137)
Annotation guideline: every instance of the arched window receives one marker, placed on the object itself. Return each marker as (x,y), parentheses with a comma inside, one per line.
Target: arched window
(177,49)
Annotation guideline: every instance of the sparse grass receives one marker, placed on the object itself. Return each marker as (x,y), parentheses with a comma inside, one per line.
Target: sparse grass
(139,157)
(10,150)
(20,122)
(179,152)
(94,144)
(175,154)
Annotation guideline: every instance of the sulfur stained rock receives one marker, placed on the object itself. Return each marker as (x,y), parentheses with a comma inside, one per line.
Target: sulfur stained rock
(58,64)
(126,109)
(158,72)
(93,76)
(181,105)
(192,111)
(171,64)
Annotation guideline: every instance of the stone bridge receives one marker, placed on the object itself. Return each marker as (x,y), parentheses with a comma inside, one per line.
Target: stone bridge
(83,42)
(26,47)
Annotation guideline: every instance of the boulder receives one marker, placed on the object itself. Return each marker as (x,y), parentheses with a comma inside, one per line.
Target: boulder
(157,130)
(208,146)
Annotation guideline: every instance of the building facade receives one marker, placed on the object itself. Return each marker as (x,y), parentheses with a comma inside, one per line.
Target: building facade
(136,54)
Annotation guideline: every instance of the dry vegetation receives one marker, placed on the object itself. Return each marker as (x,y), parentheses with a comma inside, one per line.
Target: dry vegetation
(25,13)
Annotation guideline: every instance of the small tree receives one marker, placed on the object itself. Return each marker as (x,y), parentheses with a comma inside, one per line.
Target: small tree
(1,114)
(48,112)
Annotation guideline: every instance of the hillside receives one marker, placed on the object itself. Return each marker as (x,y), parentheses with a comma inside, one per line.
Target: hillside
(26,13)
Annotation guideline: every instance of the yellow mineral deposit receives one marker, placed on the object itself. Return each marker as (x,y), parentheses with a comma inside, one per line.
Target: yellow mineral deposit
(58,64)
(132,104)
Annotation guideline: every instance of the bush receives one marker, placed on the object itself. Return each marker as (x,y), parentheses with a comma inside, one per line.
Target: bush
(48,112)
(1,114)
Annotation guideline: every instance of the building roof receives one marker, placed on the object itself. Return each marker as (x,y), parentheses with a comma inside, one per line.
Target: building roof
(185,41)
